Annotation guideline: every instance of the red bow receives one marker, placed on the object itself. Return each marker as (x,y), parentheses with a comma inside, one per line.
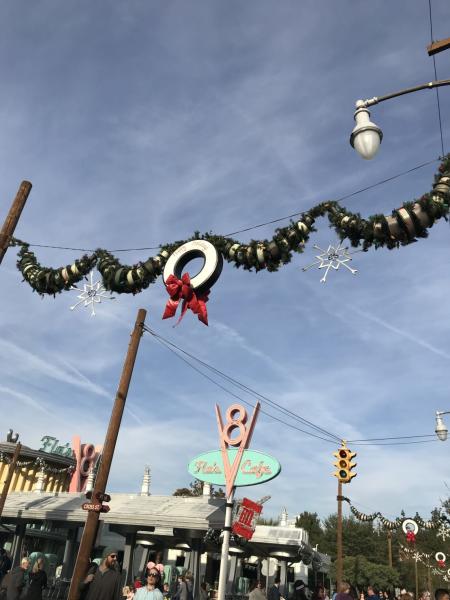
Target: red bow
(411,537)
(181,289)
(441,563)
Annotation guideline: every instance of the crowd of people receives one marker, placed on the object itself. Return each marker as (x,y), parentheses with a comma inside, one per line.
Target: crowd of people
(348,592)
(104,582)
(25,582)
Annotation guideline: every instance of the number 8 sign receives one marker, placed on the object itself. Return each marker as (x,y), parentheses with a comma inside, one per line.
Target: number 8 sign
(236,419)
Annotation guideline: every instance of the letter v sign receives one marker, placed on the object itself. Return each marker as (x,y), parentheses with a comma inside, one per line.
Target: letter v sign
(236,418)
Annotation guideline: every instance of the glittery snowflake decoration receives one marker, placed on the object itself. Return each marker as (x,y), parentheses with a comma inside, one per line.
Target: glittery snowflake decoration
(417,556)
(443,532)
(332,258)
(92,294)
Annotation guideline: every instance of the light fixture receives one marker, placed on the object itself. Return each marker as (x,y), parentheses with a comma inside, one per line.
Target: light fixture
(366,136)
(441,429)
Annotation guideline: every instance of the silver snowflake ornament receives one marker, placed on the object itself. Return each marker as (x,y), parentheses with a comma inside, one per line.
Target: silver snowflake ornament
(443,532)
(93,293)
(417,556)
(332,258)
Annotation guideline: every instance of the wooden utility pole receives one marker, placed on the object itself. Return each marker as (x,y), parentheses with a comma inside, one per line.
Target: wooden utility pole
(92,519)
(339,556)
(7,231)
(7,483)
(389,543)
(438,46)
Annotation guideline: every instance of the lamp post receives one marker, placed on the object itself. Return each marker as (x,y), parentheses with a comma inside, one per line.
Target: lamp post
(441,429)
(366,136)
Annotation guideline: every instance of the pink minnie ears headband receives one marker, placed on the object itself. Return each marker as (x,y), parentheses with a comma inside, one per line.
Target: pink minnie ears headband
(159,567)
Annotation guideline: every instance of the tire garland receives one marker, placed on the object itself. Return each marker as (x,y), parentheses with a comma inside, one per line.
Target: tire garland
(402,227)
(388,524)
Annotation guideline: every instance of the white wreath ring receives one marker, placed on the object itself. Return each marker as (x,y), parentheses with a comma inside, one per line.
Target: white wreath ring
(440,557)
(210,271)
(415,527)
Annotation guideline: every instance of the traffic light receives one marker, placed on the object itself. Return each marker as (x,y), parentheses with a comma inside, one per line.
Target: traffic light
(344,464)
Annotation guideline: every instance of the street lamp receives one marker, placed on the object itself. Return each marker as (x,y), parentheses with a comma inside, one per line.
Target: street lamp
(441,429)
(366,136)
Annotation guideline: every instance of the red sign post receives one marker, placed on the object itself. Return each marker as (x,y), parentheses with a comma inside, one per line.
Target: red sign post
(246,518)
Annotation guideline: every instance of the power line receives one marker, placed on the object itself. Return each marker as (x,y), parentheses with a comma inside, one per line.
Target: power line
(247,389)
(400,437)
(252,227)
(167,346)
(363,442)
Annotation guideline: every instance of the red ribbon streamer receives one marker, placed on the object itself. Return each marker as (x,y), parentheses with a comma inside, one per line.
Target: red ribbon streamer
(181,289)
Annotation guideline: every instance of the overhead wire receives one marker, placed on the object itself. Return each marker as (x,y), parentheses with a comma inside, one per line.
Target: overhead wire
(167,346)
(435,78)
(252,227)
(332,438)
(247,389)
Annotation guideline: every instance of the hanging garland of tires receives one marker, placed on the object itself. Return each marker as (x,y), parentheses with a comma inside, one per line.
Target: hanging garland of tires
(402,227)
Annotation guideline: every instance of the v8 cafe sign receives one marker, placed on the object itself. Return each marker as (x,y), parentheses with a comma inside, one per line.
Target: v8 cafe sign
(254,468)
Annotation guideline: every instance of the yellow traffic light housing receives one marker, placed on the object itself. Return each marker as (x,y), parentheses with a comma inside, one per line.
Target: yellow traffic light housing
(344,464)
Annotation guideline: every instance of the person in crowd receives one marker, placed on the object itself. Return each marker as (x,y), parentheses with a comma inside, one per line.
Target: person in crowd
(5,563)
(128,592)
(204,591)
(319,593)
(361,596)
(327,595)
(344,592)
(274,590)
(425,595)
(105,583)
(300,590)
(256,591)
(37,581)
(17,580)
(441,594)
(150,591)
(184,590)
(372,593)
(166,591)
(92,570)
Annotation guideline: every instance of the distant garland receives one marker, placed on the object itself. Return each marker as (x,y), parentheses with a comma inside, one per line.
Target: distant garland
(427,524)
(404,226)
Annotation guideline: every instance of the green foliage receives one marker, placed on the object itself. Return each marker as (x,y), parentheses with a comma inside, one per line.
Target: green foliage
(360,573)
(310,522)
(196,489)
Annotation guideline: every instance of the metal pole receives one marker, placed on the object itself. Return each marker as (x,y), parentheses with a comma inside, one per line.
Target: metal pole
(12,467)
(13,217)
(389,542)
(92,519)
(339,557)
(225,547)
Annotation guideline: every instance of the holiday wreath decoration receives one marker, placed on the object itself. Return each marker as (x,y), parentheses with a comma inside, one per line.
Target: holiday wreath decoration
(192,292)
(402,227)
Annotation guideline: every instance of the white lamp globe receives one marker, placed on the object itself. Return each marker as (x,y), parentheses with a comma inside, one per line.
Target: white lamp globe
(366,136)
(441,429)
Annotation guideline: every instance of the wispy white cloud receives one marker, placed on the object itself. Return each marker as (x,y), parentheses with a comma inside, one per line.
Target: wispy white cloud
(34,365)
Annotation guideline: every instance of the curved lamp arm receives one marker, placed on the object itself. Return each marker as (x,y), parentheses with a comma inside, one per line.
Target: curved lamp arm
(366,136)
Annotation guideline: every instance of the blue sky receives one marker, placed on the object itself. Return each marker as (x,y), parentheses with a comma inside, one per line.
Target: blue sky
(141,122)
